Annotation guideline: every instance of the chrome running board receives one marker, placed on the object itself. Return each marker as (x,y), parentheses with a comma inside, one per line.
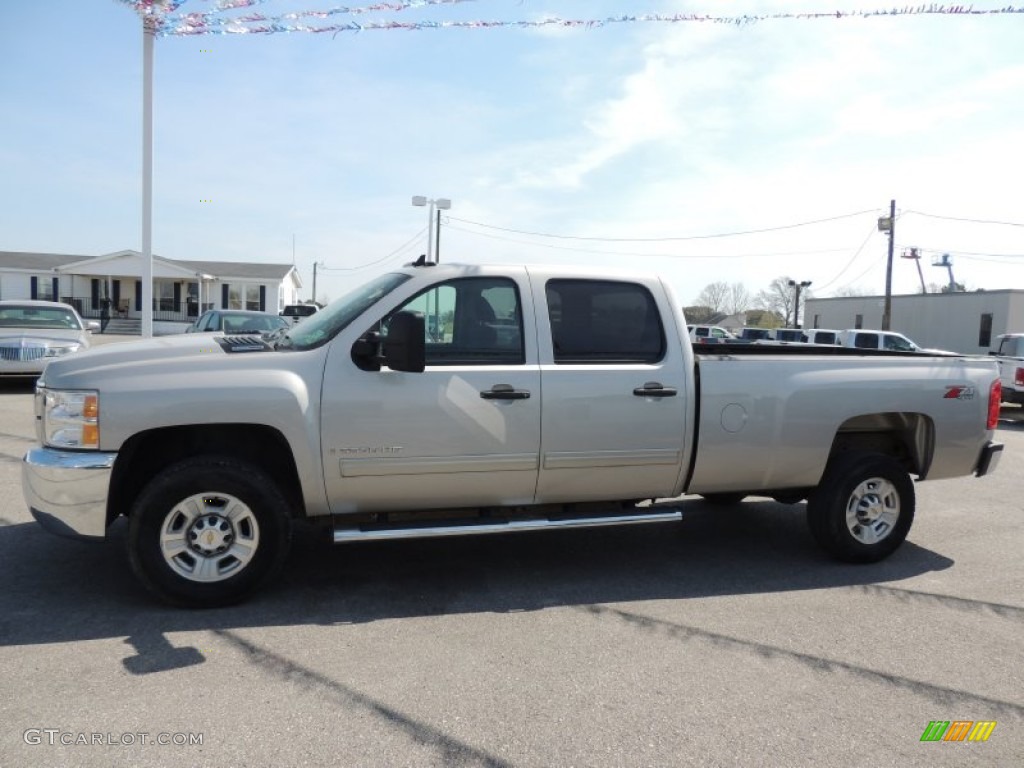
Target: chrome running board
(348,533)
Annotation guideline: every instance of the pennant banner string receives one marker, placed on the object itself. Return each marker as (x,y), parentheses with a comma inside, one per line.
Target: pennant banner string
(159,18)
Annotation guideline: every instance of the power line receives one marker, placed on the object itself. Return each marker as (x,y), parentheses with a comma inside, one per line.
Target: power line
(858,277)
(391,255)
(645,255)
(665,239)
(963,219)
(967,254)
(849,264)
(972,257)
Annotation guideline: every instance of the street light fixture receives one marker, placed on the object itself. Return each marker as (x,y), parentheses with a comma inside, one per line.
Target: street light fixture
(433,242)
(797,287)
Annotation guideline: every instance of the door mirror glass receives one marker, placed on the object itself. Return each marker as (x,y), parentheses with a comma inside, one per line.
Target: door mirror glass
(404,345)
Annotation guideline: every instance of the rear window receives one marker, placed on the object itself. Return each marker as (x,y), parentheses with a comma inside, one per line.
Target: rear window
(299,310)
(604,321)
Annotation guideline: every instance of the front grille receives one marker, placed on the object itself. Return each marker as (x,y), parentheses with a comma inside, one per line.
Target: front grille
(22,354)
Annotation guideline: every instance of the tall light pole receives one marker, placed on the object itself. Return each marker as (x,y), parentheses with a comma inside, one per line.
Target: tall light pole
(440,204)
(797,287)
(888,224)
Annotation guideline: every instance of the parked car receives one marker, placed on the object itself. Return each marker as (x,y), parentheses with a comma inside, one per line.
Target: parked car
(213,448)
(821,336)
(754,334)
(34,332)
(709,334)
(296,312)
(787,334)
(868,339)
(237,321)
(1010,355)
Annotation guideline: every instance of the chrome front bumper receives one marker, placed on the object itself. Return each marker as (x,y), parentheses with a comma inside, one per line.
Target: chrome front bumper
(67,491)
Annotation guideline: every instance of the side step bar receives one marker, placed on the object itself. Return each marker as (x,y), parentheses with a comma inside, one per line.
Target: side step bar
(344,534)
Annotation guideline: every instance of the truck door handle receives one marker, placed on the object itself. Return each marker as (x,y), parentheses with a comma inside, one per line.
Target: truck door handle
(654,389)
(505,392)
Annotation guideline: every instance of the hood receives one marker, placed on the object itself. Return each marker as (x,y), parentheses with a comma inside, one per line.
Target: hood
(43,336)
(178,354)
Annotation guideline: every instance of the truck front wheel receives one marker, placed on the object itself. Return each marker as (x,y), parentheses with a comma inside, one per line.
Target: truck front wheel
(863,508)
(207,530)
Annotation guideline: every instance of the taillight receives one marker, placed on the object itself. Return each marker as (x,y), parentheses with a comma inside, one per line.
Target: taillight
(1018,379)
(995,394)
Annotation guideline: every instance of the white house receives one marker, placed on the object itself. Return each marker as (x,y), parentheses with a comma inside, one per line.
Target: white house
(961,322)
(181,289)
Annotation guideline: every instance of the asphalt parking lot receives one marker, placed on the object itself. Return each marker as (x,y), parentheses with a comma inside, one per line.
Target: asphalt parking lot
(726,640)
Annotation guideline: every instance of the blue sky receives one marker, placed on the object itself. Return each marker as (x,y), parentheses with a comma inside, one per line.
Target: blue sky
(632,142)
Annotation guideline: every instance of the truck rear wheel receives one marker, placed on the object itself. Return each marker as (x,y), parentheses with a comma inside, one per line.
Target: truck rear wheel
(206,531)
(863,508)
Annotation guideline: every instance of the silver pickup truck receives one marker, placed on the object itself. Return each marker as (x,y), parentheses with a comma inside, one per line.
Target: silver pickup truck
(1010,356)
(450,400)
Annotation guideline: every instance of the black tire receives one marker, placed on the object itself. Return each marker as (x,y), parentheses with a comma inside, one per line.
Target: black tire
(206,531)
(723,499)
(863,508)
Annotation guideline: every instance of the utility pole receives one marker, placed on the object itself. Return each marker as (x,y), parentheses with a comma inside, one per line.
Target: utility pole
(437,241)
(315,265)
(888,225)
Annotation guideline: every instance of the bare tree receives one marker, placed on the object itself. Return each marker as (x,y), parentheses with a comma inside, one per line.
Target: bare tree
(738,300)
(698,314)
(780,295)
(764,318)
(851,291)
(715,296)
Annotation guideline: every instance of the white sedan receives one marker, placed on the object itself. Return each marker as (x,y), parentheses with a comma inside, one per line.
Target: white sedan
(34,332)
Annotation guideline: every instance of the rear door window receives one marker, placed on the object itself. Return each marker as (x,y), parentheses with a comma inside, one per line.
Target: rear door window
(866,341)
(604,321)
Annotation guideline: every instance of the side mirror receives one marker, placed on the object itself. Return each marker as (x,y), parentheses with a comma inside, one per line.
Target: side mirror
(405,345)
(366,351)
(92,325)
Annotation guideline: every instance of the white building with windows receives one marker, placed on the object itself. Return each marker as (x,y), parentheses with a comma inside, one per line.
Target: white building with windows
(960,322)
(182,290)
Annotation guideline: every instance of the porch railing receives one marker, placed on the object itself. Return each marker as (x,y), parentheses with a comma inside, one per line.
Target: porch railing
(163,309)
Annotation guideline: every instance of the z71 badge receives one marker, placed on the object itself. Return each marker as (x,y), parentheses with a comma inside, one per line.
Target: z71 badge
(959,392)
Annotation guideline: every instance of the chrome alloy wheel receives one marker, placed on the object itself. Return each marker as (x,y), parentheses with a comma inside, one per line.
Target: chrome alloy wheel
(209,537)
(872,510)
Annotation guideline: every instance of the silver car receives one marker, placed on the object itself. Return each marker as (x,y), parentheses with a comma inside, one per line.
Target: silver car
(34,332)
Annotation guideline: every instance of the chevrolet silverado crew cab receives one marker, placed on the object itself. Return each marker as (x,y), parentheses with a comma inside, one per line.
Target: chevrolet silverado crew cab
(546,398)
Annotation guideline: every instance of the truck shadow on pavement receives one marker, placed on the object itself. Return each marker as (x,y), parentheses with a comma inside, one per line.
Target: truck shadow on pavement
(60,590)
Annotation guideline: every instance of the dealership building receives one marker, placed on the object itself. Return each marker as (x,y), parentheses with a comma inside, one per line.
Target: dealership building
(182,290)
(961,322)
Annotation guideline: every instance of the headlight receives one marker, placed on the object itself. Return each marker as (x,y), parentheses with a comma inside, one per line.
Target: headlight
(59,351)
(71,419)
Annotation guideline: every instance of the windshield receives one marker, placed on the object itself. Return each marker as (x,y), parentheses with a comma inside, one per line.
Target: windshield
(38,317)
(324,325)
